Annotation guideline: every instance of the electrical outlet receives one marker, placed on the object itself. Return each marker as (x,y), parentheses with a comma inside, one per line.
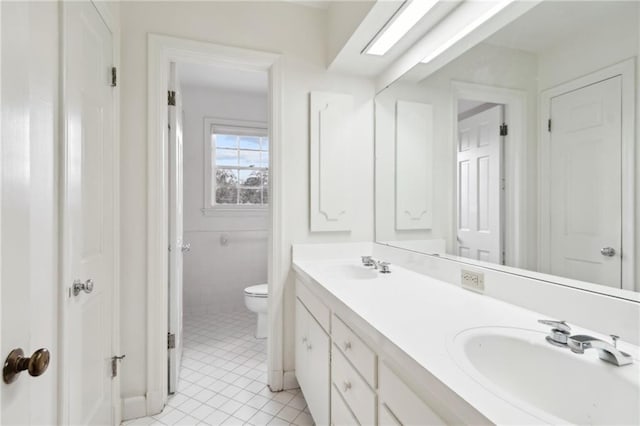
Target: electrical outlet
(472,280)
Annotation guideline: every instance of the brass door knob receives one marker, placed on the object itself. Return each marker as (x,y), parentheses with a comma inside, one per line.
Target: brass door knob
(16,362)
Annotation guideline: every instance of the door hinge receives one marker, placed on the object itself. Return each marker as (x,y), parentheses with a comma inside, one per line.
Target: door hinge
(171,340)
(504,129)
(114,364)
(114,77)
(171,98)
(504,258)
(549,125)
(503,184)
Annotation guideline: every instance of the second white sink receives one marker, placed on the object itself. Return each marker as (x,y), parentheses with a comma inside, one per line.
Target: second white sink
(549,382)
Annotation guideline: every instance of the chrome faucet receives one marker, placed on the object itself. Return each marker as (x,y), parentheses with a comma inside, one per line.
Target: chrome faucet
(368,261)
(559,333)
(383,267)
(608,352)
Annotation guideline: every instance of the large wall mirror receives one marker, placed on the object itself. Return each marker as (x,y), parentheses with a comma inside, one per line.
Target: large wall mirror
(521,152)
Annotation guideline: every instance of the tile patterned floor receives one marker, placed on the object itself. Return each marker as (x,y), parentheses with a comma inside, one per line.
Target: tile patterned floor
(223,379)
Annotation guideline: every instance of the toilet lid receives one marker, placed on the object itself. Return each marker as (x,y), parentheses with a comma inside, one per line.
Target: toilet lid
(260,290)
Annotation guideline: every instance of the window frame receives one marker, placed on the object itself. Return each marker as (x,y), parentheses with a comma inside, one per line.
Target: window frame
(238,127)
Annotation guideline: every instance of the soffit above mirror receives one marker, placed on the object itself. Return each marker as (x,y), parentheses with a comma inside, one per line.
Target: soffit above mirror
(353,26)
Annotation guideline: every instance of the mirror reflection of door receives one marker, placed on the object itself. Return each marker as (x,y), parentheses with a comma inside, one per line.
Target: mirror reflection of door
(585,213)
(479,181)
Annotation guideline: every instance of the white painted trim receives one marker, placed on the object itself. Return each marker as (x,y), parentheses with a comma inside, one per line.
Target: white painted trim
(134,407)
(277,271)
(626,70)
(517,221)
(1,186)
(162,50)
(208,209)
(290,381)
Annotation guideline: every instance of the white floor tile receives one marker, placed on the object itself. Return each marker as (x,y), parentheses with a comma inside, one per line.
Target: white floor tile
(288,413)
(260,418)
(223,378)
(216,418)
(245,412)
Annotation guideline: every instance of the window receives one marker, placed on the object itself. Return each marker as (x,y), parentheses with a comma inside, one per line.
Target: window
(239,166)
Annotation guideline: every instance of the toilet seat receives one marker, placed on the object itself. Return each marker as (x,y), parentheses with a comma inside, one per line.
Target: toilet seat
(260,290)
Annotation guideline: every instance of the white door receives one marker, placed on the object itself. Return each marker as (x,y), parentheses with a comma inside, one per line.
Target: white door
(88,217)
(479,186)
(176,243)
(29,218)
(585,191)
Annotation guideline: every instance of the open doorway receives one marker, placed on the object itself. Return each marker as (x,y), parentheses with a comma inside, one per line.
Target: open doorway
(219,228)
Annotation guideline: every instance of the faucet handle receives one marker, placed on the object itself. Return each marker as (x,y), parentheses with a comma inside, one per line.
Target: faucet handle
(614,340)
(367,260)
(384,267)
(558,325)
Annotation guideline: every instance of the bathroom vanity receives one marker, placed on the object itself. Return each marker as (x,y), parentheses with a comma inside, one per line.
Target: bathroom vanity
(407,348)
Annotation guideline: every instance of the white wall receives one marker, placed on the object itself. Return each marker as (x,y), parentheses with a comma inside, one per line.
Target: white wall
(216,274)
(299,34)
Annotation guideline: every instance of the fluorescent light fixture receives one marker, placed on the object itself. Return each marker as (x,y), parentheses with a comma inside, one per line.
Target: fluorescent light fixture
(408,17)
(466,30)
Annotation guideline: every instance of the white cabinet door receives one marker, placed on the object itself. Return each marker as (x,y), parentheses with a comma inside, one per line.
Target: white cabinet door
(312,364)
(301,352)
(88,169)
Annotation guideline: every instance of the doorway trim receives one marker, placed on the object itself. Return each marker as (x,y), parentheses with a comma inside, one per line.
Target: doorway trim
(626,70)
(162,50)
(517,221)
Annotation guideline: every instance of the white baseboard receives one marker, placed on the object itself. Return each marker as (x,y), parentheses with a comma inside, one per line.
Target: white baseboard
(276,380)
(134,407)
(290,381)
(155,403)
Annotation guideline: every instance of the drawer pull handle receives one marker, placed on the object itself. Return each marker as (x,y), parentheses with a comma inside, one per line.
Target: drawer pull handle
(347,385)
(309,346)
(347,345)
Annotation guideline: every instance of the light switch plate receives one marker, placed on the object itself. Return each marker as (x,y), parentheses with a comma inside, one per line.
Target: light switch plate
(472,280)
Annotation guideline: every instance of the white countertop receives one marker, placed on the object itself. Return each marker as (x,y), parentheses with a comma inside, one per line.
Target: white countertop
(422,315)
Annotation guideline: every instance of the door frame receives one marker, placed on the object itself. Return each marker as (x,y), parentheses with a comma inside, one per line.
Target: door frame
(162,50)
(112,24)
(626,70)
(517,220)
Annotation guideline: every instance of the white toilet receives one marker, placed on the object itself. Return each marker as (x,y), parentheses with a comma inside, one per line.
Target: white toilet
(255,298)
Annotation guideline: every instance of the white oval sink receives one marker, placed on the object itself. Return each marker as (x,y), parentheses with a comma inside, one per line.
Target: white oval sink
(353,272)
(549,382)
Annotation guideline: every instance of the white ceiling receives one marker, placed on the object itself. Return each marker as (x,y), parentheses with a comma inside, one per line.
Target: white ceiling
(539,29)
(318,4)
(223,78)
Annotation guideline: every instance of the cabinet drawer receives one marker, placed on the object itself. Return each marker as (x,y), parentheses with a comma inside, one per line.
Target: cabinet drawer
(355,350)
(405,407)
(340,413)
(319,310)
(385,417)
(353,388)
